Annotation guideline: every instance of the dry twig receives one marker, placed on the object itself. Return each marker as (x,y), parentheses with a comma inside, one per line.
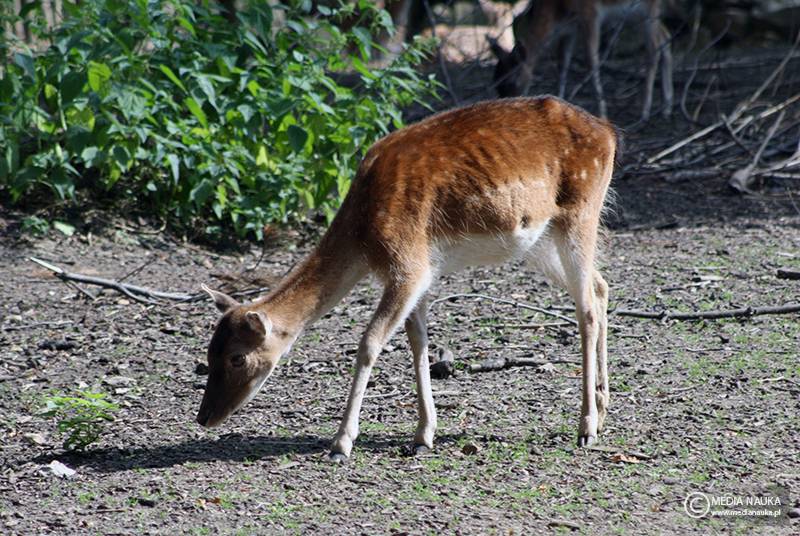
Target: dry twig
(501,363)
(743,178)
(521,305)
(710,315)
(786,273)
(141,294)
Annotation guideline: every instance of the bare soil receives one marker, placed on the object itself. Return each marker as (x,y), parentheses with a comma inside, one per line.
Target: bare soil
(709,406)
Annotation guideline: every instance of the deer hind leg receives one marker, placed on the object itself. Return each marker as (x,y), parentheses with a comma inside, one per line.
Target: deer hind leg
(590,23)
(417,331)
(666,70)
(547,259)
(400,296)
(566,45)
(659,52)
(602,391)
(576,249)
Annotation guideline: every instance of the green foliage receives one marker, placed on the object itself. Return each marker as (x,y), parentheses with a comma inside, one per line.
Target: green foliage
(166,103)
(81,417)
(35,225)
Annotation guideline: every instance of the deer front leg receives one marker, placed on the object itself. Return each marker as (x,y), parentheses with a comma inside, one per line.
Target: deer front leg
(395,305)
(603,394)
(589,327)
(417,331)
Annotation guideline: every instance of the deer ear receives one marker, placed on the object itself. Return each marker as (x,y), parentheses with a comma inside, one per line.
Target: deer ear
(222,301)
(259,322)
(497,50)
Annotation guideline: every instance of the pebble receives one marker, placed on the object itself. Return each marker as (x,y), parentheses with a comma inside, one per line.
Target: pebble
(56,468)
(442,370)
(470,448)
(36,438)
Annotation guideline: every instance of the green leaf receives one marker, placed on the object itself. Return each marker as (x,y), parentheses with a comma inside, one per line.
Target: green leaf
(64,228)
(99,76)
(174,164)
(50,91)
(364,41)
(71,86)
(200,193)
(197,111)
(172,76)
(297,137)
(359,66)
(208,88)
(26,62)
(7,87)
(262,159)
(28,7)
(63,186)
(121,156)
(186,25)
(88,155)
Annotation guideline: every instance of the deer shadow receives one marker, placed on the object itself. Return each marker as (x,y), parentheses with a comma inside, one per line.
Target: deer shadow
(230,447)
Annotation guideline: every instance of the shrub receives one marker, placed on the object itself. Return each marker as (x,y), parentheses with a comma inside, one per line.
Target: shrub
(197,119)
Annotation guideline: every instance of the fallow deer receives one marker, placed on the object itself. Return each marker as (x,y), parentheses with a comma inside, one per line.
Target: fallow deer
(512,179)
(562,20)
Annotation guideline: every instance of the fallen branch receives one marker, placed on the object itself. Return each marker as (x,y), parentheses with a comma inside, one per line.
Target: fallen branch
(501,363)
(532,326)
(48,324)
(743,178)
(554,523)
(785,273)
(781,379)
(521,305)
(141,294)
(710,315)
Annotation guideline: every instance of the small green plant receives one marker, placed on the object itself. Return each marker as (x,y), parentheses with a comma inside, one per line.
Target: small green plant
(35,225)
(82,417)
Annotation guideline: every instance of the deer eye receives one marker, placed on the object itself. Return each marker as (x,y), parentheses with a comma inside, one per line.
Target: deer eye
(237,360)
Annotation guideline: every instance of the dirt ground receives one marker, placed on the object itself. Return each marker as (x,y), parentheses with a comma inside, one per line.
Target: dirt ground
(703,406)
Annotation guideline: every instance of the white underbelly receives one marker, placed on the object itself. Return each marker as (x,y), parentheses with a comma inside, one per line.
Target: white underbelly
(453,254)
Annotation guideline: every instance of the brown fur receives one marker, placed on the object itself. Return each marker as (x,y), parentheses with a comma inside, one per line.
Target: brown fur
(441,177)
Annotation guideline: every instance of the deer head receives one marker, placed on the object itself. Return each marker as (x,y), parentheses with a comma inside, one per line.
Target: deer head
(242,354)
(510,75)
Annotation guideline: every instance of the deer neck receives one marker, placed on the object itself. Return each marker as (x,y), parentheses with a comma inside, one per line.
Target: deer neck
(313,288)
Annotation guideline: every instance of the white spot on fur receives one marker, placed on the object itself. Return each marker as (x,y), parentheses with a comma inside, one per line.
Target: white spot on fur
(584,174)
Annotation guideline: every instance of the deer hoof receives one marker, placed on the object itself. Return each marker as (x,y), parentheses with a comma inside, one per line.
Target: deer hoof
(586,440)
(337,458)
(421,449)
